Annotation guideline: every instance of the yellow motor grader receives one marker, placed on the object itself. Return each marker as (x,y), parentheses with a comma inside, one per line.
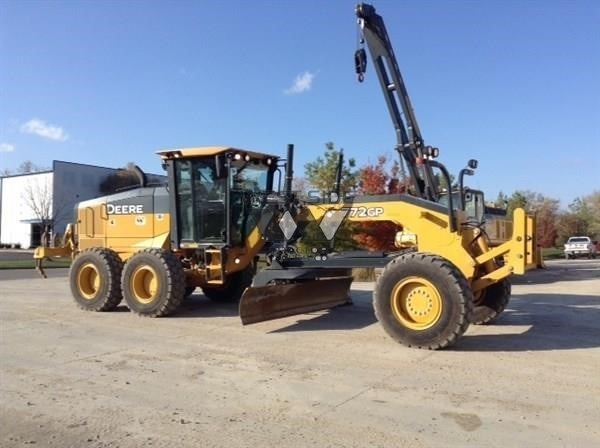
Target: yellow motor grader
(224,208)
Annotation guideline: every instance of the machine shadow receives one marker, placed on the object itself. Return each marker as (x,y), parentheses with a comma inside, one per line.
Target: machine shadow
(345,317)
(198,305)
(551,321)
(555,322)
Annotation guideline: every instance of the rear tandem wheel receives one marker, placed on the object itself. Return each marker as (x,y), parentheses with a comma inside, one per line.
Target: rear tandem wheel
(423,301)
(153,282)
(95,279)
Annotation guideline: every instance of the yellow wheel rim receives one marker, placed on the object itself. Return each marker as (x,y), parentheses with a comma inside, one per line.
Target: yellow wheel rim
(416,303)
(89,281)
(144,283)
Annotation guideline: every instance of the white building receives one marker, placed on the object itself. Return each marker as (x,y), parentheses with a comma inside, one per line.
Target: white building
(27,200)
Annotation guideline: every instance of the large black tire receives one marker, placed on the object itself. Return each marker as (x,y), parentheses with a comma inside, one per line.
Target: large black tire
(233,289)
(490,302)
(153,282)
(422,300)
(95,279)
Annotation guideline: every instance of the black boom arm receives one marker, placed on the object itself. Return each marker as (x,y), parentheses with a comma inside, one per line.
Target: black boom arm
(410,142)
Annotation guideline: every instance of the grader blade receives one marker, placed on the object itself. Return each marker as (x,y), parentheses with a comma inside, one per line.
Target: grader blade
(261,303)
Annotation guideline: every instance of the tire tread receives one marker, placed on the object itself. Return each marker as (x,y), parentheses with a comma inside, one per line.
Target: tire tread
(110,260)
(457,279)
(174,279)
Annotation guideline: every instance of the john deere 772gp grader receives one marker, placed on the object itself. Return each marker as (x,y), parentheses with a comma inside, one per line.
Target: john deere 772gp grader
(224,208)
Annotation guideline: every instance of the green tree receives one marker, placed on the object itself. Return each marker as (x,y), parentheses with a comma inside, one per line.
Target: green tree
(321,175)
(582,218)
(568,224)
(517,200)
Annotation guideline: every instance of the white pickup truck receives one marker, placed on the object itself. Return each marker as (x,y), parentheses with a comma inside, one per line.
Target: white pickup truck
(580,246)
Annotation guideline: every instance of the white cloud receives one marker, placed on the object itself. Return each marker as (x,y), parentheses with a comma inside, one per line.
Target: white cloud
(6,147)
(302,83)
(45,130)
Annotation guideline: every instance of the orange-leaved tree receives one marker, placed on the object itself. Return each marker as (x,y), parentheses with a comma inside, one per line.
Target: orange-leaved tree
(376,179)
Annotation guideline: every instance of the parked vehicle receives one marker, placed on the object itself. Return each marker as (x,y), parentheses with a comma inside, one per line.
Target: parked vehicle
(580,246)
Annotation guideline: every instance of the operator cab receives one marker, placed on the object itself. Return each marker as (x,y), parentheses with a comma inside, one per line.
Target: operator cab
(474,203)
(217,194)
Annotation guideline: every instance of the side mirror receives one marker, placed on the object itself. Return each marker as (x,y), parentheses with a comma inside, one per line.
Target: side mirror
(473,163)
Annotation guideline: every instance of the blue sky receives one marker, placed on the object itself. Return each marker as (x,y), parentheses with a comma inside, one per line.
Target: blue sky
(515,84)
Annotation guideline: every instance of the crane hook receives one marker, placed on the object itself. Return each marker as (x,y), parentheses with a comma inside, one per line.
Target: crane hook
(360,63)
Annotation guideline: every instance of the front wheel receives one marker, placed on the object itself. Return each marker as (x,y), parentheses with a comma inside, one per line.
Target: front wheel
(153,282)
(423,301)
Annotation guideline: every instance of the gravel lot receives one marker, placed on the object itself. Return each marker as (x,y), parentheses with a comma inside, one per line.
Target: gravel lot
(70,378)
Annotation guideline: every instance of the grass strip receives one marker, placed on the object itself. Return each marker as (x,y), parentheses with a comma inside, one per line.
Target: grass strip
(30,264)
